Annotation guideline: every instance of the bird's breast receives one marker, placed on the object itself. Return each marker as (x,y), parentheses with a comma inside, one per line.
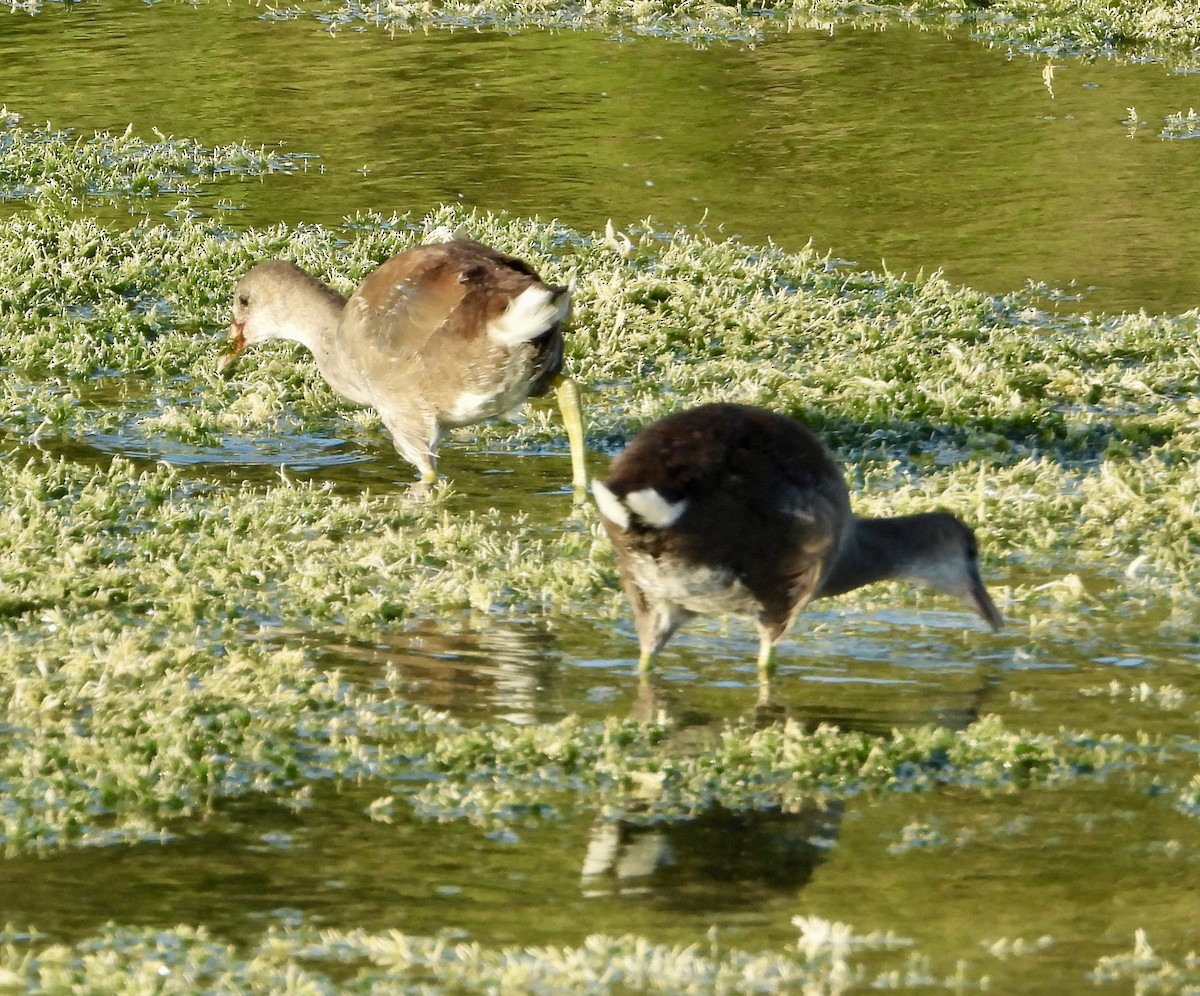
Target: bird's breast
(701,588)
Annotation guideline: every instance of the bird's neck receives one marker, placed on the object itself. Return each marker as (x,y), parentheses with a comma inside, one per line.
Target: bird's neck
(872,550)
(336,367)
(313,321)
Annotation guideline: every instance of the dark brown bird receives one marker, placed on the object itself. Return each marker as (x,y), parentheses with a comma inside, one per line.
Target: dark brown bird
(437,337)
(733,509)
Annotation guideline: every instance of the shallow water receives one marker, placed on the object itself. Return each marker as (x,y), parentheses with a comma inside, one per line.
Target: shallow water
(904,147)
(986,175)
(1085,865)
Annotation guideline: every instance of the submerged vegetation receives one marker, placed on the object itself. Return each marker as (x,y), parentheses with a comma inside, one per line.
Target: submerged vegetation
(149,597)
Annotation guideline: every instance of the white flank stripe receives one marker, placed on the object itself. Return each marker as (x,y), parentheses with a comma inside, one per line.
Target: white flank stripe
(653,509)
(529,314)
(610,506)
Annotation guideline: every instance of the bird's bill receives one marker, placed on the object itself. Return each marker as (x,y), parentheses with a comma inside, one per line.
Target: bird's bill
(233,347)
(984,605)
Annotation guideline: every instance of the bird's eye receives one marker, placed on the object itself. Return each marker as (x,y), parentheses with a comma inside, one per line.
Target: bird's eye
(244,300)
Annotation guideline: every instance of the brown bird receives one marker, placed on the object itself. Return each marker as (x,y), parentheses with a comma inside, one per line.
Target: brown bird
(733,509)
(440,336)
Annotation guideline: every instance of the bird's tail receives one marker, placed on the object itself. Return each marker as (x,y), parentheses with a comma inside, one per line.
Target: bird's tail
(645,507)
(531,313)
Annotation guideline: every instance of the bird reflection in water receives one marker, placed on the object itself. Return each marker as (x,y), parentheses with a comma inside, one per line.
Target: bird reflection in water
(728,857)
(501,672)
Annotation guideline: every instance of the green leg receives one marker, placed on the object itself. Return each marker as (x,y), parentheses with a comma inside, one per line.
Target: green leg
(766,658)
(766,668)
(572,413)
(428,478)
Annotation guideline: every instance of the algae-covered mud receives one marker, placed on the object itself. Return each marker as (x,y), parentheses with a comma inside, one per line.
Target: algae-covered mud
(273,721)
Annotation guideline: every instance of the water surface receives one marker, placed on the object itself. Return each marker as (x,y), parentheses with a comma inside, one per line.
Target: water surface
(905,147)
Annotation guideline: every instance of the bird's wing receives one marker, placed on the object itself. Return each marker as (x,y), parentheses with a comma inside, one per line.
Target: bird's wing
(406,302)
(810,530)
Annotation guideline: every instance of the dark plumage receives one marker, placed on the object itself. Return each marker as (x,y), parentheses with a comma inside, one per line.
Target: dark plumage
(439,336)
(733,509)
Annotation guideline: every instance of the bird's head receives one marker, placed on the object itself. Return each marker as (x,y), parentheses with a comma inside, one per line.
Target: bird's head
(949,563)
(268,303)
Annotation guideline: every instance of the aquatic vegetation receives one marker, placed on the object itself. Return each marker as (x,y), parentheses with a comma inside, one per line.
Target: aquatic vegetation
(1051,433)
(185,959)
(1063,27)
(637,776)
(1189,797)
(1141,29)
(1047,432)
(828,958)
(1181,125)
(41,160)
(1089,27)
(1149,971)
